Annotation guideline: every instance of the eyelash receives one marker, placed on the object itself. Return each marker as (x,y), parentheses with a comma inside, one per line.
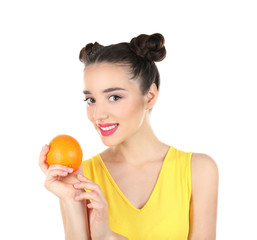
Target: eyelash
(116,96)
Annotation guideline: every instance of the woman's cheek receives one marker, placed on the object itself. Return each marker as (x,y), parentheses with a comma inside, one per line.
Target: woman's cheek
(132,109)
(90,113)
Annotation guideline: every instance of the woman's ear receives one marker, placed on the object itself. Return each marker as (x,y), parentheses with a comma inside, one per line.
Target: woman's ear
(151,97)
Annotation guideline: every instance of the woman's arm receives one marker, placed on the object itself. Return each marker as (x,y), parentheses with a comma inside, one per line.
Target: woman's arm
(98,210)
(75,220)
(75,216)
(60,180)
(204,199)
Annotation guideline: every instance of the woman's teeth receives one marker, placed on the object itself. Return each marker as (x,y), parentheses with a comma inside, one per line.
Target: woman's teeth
(109,128)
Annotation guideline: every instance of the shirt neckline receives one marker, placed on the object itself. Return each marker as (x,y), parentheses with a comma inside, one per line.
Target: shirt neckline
(155,187)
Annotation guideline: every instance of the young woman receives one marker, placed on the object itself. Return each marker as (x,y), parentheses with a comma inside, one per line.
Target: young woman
(139,187)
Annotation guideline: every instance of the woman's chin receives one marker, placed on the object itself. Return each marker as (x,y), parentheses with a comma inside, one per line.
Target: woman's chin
(109,142)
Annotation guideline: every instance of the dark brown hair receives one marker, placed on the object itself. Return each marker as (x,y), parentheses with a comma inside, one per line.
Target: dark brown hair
(138,55)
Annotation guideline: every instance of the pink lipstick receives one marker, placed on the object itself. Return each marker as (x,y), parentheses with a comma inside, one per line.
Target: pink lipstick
(108,128)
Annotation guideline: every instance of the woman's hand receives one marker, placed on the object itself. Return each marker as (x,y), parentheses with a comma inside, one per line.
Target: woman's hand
(98,208)
(70,185)
(42,159)
(59,178)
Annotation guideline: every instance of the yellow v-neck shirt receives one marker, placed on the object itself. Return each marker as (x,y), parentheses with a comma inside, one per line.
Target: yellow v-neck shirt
(165,216)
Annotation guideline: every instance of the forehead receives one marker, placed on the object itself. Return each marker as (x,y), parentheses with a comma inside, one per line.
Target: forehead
(105,75)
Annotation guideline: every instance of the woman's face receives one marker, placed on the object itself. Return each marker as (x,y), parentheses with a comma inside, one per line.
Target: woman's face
(115,104)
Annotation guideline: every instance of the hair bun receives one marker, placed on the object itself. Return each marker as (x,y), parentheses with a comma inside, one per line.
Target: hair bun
(88,50)
(150,47)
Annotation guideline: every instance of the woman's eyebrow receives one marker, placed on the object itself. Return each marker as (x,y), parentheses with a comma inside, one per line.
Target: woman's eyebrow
(106,90)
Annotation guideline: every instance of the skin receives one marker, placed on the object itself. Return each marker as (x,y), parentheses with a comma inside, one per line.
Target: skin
(129,161)
(60,180)
(125,157)
(104,108)
(204,199)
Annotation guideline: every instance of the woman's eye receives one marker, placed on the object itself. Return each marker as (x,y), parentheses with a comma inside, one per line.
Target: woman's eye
(114,98)
(89,100)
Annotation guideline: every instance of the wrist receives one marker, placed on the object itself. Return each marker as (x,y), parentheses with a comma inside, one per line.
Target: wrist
(70,198)
(71,202)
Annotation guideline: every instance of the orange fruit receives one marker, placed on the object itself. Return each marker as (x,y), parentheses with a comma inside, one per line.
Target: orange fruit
(65,150)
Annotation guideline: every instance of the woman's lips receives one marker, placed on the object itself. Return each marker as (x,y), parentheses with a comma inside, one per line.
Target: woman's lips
(108,128)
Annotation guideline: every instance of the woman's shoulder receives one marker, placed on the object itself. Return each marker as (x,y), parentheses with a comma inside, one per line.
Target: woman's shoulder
(89,161)
(203,162)
(205,181)
(204,170)
(89,166)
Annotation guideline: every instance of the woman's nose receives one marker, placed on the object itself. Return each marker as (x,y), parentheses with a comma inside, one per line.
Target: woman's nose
(100,112)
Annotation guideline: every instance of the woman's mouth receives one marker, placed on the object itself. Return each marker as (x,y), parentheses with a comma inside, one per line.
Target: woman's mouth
(108,129)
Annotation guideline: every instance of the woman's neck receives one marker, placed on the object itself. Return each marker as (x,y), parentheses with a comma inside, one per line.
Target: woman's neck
(142,147)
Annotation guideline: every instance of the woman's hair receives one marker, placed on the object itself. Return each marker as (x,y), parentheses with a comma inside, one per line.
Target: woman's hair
(138,55)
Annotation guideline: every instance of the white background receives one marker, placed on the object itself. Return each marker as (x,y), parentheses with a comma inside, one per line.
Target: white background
(207,100)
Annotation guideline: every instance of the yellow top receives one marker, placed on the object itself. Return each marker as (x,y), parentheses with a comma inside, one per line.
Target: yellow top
(165,215)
